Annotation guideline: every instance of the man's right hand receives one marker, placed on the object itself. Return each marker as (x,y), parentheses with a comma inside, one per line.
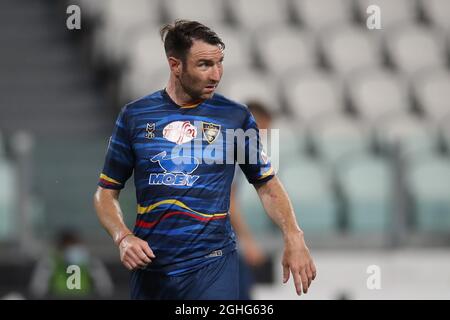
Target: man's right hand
(135,253)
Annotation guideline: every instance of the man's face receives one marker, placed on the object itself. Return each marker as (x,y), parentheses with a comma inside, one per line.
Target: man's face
(202,71)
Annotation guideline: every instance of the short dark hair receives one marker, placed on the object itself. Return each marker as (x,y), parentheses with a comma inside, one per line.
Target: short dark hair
(178,37)
(258,107)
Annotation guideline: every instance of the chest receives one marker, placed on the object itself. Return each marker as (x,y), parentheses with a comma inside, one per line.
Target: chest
(182,144)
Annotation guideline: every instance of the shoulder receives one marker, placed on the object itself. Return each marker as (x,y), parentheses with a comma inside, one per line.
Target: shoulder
(238,110)
(149,101)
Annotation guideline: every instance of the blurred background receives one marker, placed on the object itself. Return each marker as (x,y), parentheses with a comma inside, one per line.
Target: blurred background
(364,120)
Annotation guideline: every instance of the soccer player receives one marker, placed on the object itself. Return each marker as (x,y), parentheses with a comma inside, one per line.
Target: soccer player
(183,245)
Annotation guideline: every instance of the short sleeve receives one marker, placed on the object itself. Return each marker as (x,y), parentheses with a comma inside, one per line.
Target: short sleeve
(257,167)
(119,160)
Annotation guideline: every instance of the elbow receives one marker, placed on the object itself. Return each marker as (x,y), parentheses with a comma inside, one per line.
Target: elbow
(96,199)
(104,196)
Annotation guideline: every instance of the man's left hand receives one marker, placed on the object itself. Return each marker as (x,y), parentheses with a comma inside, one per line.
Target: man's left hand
(298,260)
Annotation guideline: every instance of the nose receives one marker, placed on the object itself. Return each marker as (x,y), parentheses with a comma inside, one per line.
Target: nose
(216,73)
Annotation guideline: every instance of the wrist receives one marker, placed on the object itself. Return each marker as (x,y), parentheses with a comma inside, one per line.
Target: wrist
(121,237)
(293,234)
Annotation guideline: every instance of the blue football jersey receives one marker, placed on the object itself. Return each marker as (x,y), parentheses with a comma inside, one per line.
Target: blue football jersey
(183,159)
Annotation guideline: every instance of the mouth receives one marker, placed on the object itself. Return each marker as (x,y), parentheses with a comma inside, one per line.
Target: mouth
(211,87)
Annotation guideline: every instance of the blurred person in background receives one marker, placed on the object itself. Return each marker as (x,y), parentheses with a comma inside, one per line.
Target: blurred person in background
(251,254)
(50,276)
(183,245)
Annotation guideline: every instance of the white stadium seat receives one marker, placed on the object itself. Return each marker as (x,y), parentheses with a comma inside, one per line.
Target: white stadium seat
(309,186)
(317,15)
(437,11)
(120,20)
(349,48)
(432,91)
(237,53)
(412,134)
(337,137)
(284,49)
(428,181)
(312,93)
(392,12)
(366,183)
(375,92)
(414,48)
(254,14)
(205,11)
(245,85)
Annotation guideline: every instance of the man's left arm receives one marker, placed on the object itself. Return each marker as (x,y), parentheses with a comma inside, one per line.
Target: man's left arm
(296,256)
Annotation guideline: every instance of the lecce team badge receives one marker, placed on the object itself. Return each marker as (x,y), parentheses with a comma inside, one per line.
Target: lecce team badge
(210,131)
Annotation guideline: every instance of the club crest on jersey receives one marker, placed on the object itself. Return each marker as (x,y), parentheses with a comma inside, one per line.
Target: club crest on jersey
(150,131)
(180,132)
(210,131)
(177,170)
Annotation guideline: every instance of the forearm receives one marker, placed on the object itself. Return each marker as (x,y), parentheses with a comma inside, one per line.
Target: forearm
(296,257)
(278,206)
(108,210)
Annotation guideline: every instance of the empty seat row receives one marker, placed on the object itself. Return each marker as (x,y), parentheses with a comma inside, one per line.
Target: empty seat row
(281,49)
(366,185)
(252,14)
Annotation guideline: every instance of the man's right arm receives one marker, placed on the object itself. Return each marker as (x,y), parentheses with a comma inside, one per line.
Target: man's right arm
(134,252)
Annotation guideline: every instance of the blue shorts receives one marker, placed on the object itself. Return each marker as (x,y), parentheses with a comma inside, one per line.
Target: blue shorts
(218,280)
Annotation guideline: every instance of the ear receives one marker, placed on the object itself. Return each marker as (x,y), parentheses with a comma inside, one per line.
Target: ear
(175,65)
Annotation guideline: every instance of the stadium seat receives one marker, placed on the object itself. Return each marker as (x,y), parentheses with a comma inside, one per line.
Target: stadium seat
(238,49)
(292,139)
(311,94)
(392,12)
(437,12)
(2,146)
(348,48)
(308,184)
(118,12)
(367,187)
(429,183)
(254,14)
(414,48)
(76,168)
(204,11)
(146,68)
(412,134)
(252,210)
(284,49)
(141,82)
(375,92)
(245,85)
(337,137)
(444,130)
(432,92)
(145,50)
(7,200)
(317,15)
(120,21)
(93,10)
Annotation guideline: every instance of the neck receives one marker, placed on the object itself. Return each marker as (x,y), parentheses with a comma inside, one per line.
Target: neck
(178,94)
